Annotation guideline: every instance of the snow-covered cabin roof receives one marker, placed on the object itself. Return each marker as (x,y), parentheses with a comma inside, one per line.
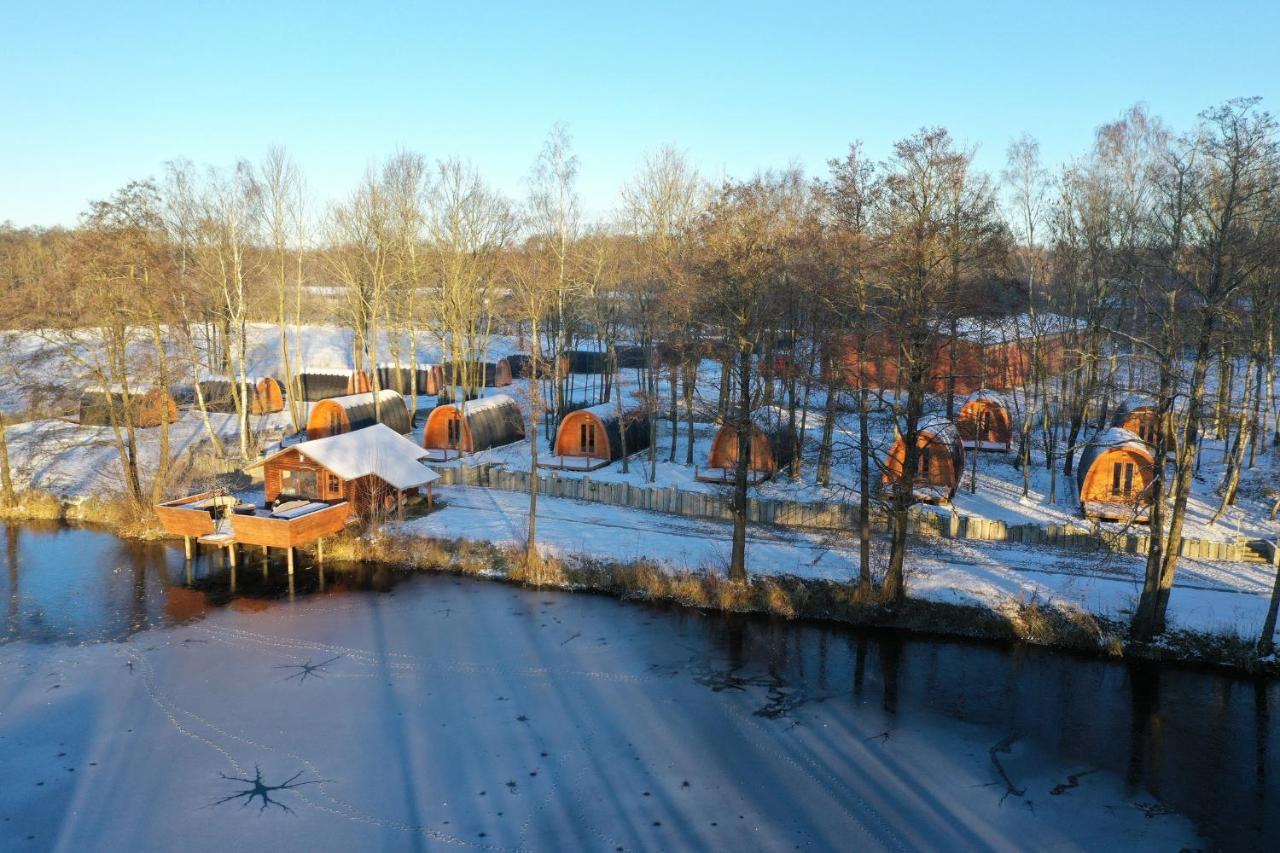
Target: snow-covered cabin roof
(989,396)
(329,371)
(1018,327)
(603,411)
(377,451)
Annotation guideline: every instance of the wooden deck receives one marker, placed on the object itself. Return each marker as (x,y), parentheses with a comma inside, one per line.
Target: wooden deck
(209,520)
(1123,512)
(574,463)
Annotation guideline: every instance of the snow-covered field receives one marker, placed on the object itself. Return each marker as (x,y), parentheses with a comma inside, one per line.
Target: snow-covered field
(1213,598)
(456,714)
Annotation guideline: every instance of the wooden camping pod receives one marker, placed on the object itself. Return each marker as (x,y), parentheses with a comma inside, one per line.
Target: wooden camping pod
(453,429)
(1139,418)
(321,384)
(264,395)
(336,415)
(984,423)
(1114,475)
(149,408)
(596,435)
(484,374)
(520,365)
(769,453)
(940,462)
(428,379)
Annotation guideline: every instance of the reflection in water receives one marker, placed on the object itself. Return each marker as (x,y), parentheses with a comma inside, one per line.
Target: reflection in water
(1200,742)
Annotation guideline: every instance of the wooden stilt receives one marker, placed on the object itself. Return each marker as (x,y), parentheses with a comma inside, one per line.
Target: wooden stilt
(291,586)
(233,578)
(231,550)
(321,567)
(320,551)
(290,562)
(190,574)
(186,546)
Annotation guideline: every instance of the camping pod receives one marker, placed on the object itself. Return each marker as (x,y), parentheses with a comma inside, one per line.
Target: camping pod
(1114,475)
(631,355)
(149,408)
(337,415)
(593,437)
(452,430)
(264,395)
(483,374)
(939,461)
(984,423)
(520,366)
(1138,417)
(426,379)
(322,384)
(585,361)
(770,451)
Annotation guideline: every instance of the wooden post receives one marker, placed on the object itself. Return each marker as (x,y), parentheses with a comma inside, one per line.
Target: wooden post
(266,562)
(186,546)
(233,579)
(231,550)
(290,562)
(320,551)
(321,567)
(400,506)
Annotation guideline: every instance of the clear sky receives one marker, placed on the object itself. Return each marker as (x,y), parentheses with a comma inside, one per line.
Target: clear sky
(95,94)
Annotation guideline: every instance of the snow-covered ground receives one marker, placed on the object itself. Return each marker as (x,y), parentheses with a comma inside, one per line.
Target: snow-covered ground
(72,461)
(1213,598)
(469,715)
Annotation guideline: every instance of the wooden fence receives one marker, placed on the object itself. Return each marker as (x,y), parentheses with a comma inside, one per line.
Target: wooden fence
(824,515)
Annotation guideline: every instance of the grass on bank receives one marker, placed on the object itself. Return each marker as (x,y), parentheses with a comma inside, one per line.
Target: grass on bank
(1030,620)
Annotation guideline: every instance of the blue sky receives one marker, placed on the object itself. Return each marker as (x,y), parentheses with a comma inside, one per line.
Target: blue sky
(96,94)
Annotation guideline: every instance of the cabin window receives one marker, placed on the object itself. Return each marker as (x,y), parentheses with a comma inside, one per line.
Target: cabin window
(587,436)
(922,463)
(335,484)
(984,422)
(1122,479)
(300,483)
(454,426)
(335,422)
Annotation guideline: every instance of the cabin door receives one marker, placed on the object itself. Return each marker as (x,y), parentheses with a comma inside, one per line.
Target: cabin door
(587,438)
(454,428)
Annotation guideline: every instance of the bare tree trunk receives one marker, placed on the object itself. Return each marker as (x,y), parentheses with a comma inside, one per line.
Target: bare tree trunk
(738,555)
(6,478)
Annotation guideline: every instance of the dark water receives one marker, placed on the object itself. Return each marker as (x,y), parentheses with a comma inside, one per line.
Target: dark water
(1206,745)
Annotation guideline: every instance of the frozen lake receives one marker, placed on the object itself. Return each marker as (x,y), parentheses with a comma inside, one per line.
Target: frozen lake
(143,709)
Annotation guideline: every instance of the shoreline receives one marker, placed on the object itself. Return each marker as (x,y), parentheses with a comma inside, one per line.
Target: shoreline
(1032,622)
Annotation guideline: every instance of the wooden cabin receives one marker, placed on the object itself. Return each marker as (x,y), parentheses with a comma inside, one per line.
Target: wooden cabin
(940,461)
(1114,475)
(993,353)
(337,415)
(363,468)
(324,384)
(984,423)
(427,379)
(149,408)
(454,429)
(592,438)
(1138,417)
(770,452)
(310,490)
(265,395)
